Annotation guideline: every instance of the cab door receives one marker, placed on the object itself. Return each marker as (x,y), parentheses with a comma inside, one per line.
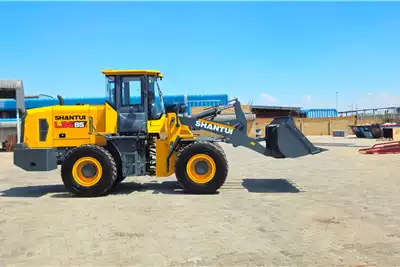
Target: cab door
(132,117)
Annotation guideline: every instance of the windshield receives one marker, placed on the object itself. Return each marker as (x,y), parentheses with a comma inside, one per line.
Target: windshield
(158,108)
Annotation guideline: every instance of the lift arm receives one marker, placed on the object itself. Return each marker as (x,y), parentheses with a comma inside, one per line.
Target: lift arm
(283,139)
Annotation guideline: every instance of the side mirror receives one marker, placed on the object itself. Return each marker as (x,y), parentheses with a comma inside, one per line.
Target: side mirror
(175,108)
(182,109)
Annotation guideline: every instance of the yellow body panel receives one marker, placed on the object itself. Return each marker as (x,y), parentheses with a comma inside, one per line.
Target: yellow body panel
(163,146)
(157,126)
(111,119)
(68,126)
(31,127)
(132,72)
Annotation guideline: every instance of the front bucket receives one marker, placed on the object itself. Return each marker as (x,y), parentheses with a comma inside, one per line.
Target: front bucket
(284,140)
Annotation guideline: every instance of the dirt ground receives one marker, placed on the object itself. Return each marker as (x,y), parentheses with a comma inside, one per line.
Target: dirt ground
(337,208)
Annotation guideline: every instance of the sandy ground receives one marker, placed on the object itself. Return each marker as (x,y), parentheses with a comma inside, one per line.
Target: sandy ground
(337,208)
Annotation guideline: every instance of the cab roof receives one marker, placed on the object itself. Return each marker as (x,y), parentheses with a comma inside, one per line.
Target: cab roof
(112,72)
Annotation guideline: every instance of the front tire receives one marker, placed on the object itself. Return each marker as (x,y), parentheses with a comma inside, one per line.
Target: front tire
(120,179)
(201,168)
(89,171)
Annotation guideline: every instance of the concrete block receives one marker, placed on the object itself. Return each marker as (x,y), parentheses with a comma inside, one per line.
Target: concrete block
(339,133)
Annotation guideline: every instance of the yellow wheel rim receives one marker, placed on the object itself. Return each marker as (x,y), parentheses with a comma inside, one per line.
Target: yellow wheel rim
(87,171)
(201,168)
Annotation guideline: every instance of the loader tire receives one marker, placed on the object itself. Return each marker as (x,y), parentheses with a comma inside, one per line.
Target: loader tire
(120,176)
(220,148)
(120,179)
(89,171)
(117,158)
(201,168)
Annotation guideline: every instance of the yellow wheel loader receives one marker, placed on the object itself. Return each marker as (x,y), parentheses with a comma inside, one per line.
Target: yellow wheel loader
(134,134)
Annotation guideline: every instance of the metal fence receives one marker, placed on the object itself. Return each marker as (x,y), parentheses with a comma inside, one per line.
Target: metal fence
(389,114)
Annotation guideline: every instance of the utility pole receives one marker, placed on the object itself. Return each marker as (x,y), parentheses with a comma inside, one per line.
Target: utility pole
(337,101)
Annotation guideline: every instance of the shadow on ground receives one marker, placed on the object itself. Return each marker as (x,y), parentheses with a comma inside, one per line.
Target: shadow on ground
(269,186)
(33,191)
(339,144)
(59,191)
(168,187)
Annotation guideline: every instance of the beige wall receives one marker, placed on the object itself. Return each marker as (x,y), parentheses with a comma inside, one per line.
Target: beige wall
(370,121)
(310,127)
(317,126)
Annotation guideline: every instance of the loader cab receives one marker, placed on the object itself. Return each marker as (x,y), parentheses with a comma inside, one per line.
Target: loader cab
(137,98)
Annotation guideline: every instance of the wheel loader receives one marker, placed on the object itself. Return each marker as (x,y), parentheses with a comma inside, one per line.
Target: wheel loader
(135,134)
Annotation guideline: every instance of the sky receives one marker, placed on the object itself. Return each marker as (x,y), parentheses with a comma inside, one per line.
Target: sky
(292,54)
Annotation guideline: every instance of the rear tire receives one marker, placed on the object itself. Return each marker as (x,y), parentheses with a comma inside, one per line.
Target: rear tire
(110,147)
(201,168)
(89,171)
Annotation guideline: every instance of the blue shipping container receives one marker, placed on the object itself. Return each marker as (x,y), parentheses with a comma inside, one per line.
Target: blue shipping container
(223,98)
(320,113)
(195,100)
(188,100)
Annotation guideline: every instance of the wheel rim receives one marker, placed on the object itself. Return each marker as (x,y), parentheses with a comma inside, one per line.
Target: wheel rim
(201,168)
(87,171)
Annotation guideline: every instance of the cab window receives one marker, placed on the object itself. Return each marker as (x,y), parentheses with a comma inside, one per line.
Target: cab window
(110,90)
(157,108)
(131,92)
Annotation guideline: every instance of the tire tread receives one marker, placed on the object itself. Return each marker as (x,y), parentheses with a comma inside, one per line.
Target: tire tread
(109,158)
(218,150)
